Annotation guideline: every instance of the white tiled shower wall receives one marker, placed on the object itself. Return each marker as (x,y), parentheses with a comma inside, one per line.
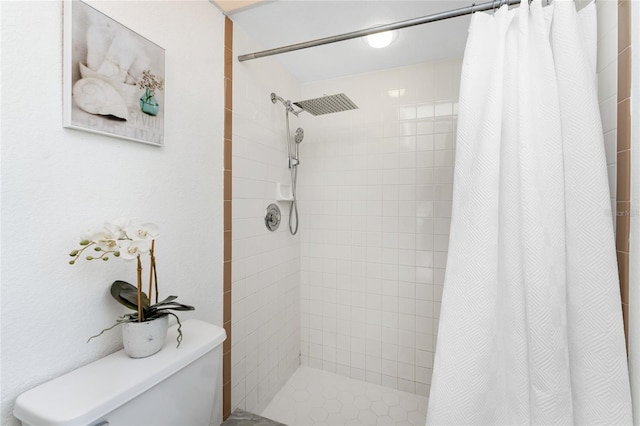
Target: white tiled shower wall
(607,69)
(266,273)
(375,203)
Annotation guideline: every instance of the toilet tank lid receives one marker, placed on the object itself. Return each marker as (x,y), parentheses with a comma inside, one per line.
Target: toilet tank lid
(88,393)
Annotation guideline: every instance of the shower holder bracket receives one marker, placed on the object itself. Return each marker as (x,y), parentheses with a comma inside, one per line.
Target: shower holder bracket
(283,192)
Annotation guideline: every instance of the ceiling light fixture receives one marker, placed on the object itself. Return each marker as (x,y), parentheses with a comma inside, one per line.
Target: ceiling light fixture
(380,40)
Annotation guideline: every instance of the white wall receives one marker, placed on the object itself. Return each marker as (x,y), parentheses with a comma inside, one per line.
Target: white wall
(375,191)
(57,182)
(265,272)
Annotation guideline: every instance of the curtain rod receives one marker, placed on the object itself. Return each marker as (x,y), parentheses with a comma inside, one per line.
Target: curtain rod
(380,28)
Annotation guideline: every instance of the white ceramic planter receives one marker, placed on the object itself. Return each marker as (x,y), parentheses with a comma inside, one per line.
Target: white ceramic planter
(143,339)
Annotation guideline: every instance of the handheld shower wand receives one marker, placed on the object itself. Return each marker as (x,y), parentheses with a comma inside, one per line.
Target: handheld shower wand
(293,159)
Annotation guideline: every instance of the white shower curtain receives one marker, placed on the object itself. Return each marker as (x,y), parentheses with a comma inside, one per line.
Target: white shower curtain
(531,325)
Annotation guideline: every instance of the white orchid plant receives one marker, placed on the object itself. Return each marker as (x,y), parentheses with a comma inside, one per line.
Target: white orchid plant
(127,240)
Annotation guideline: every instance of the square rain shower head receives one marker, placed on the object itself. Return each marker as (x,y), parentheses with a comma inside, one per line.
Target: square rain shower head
(327,104)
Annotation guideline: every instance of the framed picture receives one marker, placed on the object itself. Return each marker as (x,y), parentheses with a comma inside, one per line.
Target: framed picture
(114,79)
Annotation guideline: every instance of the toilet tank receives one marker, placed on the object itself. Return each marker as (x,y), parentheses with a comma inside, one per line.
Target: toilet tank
(176,386)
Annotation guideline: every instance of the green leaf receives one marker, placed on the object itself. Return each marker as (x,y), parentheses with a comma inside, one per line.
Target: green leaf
(175,306)
(132,298)
(151,313)
(181,307)
(127,295)
(168,299)
(119,291)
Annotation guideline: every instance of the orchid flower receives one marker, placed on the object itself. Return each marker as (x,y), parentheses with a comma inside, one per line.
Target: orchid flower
(131,249)
(104,239)
(127,240)
(116,238)
(145,231)
(117,227)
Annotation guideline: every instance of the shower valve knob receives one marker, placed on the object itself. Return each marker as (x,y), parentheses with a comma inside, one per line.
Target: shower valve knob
(272,217)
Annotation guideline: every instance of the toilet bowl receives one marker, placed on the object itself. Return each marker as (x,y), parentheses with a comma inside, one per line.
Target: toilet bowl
(176,386)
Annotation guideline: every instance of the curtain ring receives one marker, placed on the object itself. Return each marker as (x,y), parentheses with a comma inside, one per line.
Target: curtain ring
(494,6)
(473,6)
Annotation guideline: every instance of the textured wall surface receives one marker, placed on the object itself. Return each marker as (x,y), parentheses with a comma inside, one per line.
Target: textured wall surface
(265,273)
(57,183)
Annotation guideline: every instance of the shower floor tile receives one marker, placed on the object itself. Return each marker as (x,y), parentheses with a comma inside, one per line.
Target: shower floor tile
(316,397)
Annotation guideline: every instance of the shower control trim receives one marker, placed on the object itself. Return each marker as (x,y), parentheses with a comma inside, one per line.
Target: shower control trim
(272,217)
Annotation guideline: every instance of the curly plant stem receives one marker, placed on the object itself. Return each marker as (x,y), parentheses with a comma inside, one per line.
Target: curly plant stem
(118,322)
(79,252)
(75,254)
(152,262)
(104,253)
(139,290)
(179,337)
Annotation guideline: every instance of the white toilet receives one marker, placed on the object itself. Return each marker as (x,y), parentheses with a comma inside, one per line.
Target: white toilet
(176,386)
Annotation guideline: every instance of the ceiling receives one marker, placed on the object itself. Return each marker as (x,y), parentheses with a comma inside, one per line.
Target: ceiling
(278,23)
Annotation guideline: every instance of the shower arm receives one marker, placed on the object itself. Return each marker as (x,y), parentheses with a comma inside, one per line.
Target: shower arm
(287,104)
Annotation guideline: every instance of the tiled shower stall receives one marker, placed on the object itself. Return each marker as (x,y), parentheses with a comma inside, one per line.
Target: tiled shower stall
(357,291)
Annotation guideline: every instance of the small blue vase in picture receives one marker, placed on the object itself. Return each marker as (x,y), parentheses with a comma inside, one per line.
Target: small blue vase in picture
(148,103)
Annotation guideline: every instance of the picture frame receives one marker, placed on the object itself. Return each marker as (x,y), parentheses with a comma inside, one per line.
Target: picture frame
(113,77)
